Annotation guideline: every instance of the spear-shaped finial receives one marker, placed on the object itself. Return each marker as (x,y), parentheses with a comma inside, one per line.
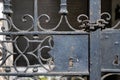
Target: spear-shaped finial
(63,7)
(7,7)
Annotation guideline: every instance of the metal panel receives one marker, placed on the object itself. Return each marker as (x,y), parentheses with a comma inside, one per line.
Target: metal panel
(70,53)
(110,49)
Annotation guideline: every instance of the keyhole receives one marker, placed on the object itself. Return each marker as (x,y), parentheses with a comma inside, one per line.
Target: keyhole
(70,62)
(116,61)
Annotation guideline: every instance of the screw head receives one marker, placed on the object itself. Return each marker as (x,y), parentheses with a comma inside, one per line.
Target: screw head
(7,69)
(35,69)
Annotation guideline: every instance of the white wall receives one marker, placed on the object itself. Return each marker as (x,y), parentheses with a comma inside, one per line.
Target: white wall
(1,8)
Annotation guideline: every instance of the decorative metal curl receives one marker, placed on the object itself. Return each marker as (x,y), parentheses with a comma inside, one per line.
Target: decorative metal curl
(69,25)
(24,20)
(15,44)
(49,60)
(82,19)
(38,57)
(60,21)
(5,53)
(21,53)
(83,22)
(102,22)
(47,20)
(109,74)
(5,56)
(9,23)
(118,23)
(27,63)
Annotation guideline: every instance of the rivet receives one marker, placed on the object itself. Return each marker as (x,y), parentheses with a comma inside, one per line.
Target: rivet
(35,36)
(7,69)
(91,63)
(35,69)
(116,43)
(106,37)
(8,37)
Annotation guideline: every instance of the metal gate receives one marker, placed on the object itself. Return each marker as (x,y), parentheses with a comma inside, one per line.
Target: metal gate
(87,50)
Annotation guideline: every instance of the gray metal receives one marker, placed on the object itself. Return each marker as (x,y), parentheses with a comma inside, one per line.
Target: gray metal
(85,50)
(35,15)
(63,5)
(110,48)
(73,53)
(95,60)
(95,56)
(7,7)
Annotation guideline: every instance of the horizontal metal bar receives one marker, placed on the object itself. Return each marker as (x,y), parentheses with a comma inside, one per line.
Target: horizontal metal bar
(45,33)
(57,73)
(111,70)
(45,74)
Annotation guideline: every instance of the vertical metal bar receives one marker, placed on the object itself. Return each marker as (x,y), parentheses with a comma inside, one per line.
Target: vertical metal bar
(35,15)
(63,7)
(95,54)
(95,10)
(7,7)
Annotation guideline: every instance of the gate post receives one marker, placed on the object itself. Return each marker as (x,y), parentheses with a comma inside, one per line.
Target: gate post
(95,62)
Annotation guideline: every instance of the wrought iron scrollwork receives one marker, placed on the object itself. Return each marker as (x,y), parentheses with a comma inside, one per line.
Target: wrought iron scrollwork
(82,19)
(101,23)
(84,25)
(3,28)
(22,54)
